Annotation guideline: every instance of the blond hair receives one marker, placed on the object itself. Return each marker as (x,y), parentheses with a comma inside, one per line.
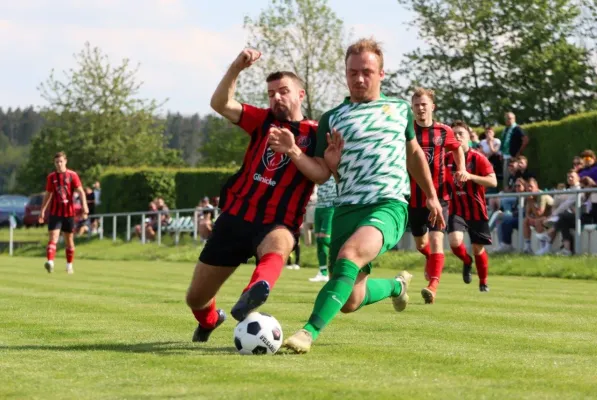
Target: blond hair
(365,46)
(420,92)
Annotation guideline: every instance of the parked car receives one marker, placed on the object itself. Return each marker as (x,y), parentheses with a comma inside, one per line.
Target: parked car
(12,204)
(33,209)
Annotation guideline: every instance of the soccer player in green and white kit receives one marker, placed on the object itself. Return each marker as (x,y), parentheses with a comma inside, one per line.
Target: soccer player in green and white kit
(371,146)
(324,211)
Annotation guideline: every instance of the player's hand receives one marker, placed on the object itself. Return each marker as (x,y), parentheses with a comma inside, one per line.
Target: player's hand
(40,219)
(436,216)
(280,140)
(333,153)
(462,177)
(246,58)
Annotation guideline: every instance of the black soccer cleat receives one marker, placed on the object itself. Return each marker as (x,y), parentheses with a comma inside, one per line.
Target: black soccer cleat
(250,300)
(483,288)
(467,276)
(202,334)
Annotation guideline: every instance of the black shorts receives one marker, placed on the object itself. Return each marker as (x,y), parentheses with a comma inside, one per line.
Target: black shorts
(65,224)
(233,241)
(478,231)
(418,219)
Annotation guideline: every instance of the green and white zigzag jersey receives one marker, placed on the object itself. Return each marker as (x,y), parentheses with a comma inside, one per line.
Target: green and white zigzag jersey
(327,193)
(373,163)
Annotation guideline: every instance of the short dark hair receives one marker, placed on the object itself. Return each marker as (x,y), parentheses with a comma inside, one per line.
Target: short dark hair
(60,154)
(461,124)
(276,76)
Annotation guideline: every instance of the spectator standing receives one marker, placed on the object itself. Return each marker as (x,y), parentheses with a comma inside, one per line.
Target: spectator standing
(97,191)
(514,142)
(490,146)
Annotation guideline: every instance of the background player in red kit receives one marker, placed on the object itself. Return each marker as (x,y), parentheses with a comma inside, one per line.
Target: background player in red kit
(61,186)
(262,204)
(434,138)
(468,211)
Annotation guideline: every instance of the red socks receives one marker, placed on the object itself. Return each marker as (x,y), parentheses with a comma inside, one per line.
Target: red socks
(482,263)
(208,316)
(461,253)
(269,270)
(425,250)
(51,251)
(70,254)
(434,267)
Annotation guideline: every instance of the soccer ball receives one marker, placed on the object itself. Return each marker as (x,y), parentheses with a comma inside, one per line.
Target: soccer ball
(259,333)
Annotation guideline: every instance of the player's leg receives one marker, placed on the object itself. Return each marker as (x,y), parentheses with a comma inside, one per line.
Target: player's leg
(349,288)
(274,244)
(435,262)
(480,237)
(323,229)
(229,246)
(205,284)
(68,228)
(54,226)
(456,228)
(418,218)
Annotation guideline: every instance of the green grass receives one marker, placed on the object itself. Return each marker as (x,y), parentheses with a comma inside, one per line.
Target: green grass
(121,330)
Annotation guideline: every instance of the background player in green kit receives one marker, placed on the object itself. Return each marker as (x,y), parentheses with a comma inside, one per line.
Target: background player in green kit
(324,211)
(371,146)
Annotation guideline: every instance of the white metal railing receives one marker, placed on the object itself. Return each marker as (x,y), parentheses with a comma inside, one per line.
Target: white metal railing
(578,208)
(196,211)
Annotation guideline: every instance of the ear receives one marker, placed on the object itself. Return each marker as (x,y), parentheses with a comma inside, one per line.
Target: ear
(382,74)
(302,94)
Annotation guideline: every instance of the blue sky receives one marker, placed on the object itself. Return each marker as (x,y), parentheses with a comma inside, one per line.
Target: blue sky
(183,46)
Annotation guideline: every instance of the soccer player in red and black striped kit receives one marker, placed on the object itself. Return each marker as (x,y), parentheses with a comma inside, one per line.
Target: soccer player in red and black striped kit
(468,210)
(434,138)
(262,204)
(61,186)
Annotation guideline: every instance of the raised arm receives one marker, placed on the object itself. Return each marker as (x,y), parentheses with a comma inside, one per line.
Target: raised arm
(223,101)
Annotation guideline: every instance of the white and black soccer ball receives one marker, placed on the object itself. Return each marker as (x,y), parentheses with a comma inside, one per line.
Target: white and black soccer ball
(259,333)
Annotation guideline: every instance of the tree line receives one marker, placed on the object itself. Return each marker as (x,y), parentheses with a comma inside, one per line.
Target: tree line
(537,58)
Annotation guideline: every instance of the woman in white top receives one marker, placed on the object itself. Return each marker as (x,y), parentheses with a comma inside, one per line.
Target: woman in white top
(490,145)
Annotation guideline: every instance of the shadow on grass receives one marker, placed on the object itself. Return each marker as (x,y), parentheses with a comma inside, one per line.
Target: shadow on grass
(161,348)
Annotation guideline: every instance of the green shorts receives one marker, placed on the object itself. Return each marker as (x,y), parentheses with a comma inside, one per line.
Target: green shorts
(323,220)
(389,217)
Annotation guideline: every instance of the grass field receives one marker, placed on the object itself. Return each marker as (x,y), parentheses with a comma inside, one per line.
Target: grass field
(119,329)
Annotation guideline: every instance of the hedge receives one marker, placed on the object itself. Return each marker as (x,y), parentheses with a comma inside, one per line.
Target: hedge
(194,184)
(553,145)
(131,189)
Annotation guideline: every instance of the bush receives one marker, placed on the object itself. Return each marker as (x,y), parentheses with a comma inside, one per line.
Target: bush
(193,184)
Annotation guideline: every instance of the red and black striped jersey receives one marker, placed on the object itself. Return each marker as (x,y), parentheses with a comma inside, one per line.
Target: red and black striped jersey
(468,200)
(434,140)
(62,185)
(269,188)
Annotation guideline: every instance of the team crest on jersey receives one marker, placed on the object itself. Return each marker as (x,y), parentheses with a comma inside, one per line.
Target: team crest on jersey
(386,109)
(429,152)
(438,141)
(273,160)
(303,141)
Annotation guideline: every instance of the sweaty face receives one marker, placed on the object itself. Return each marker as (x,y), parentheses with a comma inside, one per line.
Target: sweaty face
(60,164)
(462,135)
(363,76)
(285,98)
(423,108)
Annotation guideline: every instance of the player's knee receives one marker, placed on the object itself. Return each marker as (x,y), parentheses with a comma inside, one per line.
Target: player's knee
(350,306)
(196,299)
(478,249)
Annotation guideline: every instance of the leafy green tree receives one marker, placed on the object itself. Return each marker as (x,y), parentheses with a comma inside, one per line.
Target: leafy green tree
(224,143)
(489,56)
(303,36)
(94,114)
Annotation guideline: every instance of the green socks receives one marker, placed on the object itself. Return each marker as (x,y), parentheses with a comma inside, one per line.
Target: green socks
(379,289)
(332,296)
(323,251)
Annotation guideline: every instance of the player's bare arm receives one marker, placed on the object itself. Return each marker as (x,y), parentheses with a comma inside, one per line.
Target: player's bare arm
(83,197)
(44,206)
(461,175)
(223,101)
(417,165)
(333,152)
(281,140)
(487,181)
